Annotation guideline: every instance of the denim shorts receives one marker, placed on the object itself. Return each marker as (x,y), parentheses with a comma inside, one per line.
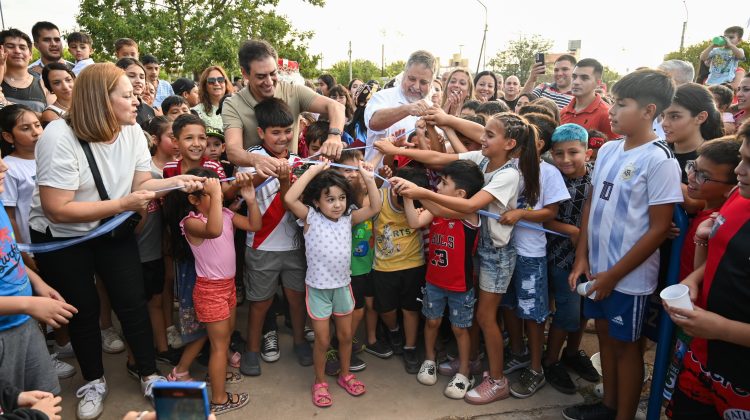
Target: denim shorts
(495,265)
(567,315)
(460,305)
(528,293)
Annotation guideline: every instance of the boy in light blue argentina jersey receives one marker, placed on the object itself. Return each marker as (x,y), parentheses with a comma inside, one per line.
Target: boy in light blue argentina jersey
(636,183)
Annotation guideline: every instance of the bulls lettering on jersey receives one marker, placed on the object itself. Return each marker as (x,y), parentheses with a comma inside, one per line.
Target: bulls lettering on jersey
(452,243)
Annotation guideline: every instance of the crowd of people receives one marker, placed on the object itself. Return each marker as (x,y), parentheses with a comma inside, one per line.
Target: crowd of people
(365,214)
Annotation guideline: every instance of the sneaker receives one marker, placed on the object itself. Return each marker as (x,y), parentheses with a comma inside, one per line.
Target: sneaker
(515,362)
(269,351)
(581,364)
(111,341)
(528,383)
(357,347)
(62,369)
(309,334)
(250,364)
(411,361)
(92,397)
(356,364)
(333,364)
(170,356)
(458,387)
(174,339)
(488,391)
(397,341)
(427,374)
(597,411)
(63,352)
(304,353)
(379,349)
(147,386)
(558,377)
(450,368)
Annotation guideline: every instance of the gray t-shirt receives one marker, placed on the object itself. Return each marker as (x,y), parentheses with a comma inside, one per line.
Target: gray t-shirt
(149,239)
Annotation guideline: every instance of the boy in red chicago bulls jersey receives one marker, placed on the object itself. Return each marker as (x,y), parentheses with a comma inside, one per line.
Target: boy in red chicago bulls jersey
(453,238)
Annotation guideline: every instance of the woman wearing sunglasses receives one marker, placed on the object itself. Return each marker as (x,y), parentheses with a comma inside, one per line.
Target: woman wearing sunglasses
(213,85)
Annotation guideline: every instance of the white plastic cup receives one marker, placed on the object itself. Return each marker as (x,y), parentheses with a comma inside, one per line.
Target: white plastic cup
(677,296)
(584,288)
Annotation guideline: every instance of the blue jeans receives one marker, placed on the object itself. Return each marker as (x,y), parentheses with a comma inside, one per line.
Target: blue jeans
(567,315)
(528,292)
(460,305)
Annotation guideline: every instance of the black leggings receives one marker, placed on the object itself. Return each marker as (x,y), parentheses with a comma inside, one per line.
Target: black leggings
(71,272)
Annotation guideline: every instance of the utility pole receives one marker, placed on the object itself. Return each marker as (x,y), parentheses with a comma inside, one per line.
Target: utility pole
(321,62)
(350,60)
(382,60)
(2,17)
(684,27)
(484,38)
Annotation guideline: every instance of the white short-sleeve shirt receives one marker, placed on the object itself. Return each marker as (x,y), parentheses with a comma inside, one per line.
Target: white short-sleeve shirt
(502,183)
(19,187)
(625,184)
(530,242)
(62,164)
(384,99)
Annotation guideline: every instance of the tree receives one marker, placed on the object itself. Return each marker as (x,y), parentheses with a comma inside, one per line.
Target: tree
(361,69)
(392,70)
(518,56)
(190,35)
(609,77)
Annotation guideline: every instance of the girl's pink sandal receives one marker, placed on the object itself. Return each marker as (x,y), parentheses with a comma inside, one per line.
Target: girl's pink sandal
(320,395)
(351,385)
(175,376)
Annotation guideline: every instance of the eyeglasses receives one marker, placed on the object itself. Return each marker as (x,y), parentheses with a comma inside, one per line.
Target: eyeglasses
(212,80)
(700,176)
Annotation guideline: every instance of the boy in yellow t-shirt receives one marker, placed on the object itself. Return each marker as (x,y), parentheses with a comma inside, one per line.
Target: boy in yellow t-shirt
(398,271)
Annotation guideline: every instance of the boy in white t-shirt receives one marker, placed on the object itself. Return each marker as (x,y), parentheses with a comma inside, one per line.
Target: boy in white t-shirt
(636,184)
(275,252)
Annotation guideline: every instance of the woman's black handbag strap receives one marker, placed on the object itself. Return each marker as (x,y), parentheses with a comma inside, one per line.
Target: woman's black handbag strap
(94,170)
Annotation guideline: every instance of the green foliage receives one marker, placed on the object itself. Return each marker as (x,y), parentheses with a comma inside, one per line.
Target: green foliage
(361,69)
(692,54)
(609,77)
(190,35)
(365,70)
(518,56)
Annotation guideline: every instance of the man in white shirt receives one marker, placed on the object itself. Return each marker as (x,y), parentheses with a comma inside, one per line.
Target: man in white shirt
(398,108)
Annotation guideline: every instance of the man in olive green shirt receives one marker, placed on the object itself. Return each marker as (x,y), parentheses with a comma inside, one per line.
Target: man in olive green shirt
(258,61)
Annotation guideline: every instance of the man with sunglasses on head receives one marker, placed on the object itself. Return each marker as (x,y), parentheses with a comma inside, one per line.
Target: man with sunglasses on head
(47,40)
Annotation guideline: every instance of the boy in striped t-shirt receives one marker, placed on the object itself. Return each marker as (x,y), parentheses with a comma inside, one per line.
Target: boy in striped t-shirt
(636,183)
(274,253)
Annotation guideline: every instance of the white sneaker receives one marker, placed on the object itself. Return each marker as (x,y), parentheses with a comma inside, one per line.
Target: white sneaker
(427,373)
(174,338)
(63,370)
(92,397)
(111,341)
(458,386)
(148,385)
(309,334)
(64,352)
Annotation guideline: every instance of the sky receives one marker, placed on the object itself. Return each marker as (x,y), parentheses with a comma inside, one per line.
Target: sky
(623,35)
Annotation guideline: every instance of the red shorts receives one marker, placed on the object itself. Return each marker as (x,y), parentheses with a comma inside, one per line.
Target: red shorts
(214,300)
(709,389)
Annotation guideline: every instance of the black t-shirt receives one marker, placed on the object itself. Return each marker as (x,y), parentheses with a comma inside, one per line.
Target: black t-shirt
(683,158)
(512,104)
